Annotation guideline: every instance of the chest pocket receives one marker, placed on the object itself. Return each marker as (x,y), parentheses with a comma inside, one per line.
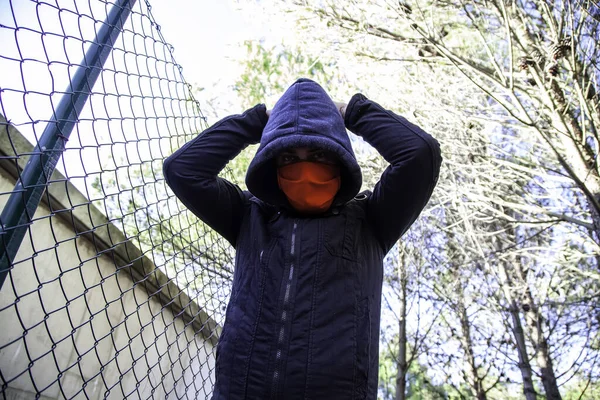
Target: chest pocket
(342,232)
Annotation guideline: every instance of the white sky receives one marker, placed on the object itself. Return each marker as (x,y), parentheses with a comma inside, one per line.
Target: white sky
(204,34)
(207,36)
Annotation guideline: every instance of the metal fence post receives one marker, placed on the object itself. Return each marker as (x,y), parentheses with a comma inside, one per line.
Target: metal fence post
(25,198)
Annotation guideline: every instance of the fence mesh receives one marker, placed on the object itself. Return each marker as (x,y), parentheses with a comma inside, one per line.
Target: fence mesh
(117,291)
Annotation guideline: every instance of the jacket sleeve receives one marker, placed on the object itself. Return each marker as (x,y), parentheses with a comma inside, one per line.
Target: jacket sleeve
(192,171)
(407,183)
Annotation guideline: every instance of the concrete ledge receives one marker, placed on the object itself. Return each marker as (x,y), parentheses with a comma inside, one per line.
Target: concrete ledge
(87,221)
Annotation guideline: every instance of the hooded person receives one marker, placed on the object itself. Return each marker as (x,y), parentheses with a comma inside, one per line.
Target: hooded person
(304,313)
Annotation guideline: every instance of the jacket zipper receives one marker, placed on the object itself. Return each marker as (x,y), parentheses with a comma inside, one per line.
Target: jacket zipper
(284,314)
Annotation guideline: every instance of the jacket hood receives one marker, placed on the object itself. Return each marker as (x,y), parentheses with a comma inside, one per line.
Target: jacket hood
(305,116)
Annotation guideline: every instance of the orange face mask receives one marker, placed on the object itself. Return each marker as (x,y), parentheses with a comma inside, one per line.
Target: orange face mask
(309,186)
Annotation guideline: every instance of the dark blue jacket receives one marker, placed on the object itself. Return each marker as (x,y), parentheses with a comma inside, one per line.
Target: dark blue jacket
(304,314)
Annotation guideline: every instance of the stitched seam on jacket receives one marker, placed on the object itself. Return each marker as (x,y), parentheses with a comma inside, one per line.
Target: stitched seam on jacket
(312,315)
(349,236)
(263,267)
(354,344)
(289,261)
(369,340)
(244,209)
(230,374)
(360,390)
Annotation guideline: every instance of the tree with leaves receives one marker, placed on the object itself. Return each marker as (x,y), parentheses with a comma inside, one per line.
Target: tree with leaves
(523,74)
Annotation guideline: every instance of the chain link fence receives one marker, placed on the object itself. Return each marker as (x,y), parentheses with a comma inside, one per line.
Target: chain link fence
(111,288)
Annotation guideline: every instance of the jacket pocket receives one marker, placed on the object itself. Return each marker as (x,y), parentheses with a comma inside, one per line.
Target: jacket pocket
(363,346)
(341,235)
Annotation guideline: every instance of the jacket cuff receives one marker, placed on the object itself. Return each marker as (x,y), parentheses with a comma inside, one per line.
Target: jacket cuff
(353,109)
(258,117)
(261,112)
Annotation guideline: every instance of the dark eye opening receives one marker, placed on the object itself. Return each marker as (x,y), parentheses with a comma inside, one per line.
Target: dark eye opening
(323,156)
(286,158)
(320,156)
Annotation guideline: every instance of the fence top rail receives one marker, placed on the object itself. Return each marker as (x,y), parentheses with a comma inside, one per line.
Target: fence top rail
(89,222)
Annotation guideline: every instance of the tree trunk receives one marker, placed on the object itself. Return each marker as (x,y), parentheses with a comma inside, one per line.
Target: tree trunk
(534,323)
(402,363)
(467,344)
(470,370)
(519,335)
(524,365)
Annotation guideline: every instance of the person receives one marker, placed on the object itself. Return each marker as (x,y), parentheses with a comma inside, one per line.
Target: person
(303,318)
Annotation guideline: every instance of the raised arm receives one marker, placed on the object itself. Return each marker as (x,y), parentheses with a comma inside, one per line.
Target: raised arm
(407,183)
(192,171)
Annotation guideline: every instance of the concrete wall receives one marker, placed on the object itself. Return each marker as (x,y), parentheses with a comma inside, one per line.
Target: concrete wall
(84,314)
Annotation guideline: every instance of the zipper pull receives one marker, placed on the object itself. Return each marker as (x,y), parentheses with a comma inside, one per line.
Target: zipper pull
(275,216)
